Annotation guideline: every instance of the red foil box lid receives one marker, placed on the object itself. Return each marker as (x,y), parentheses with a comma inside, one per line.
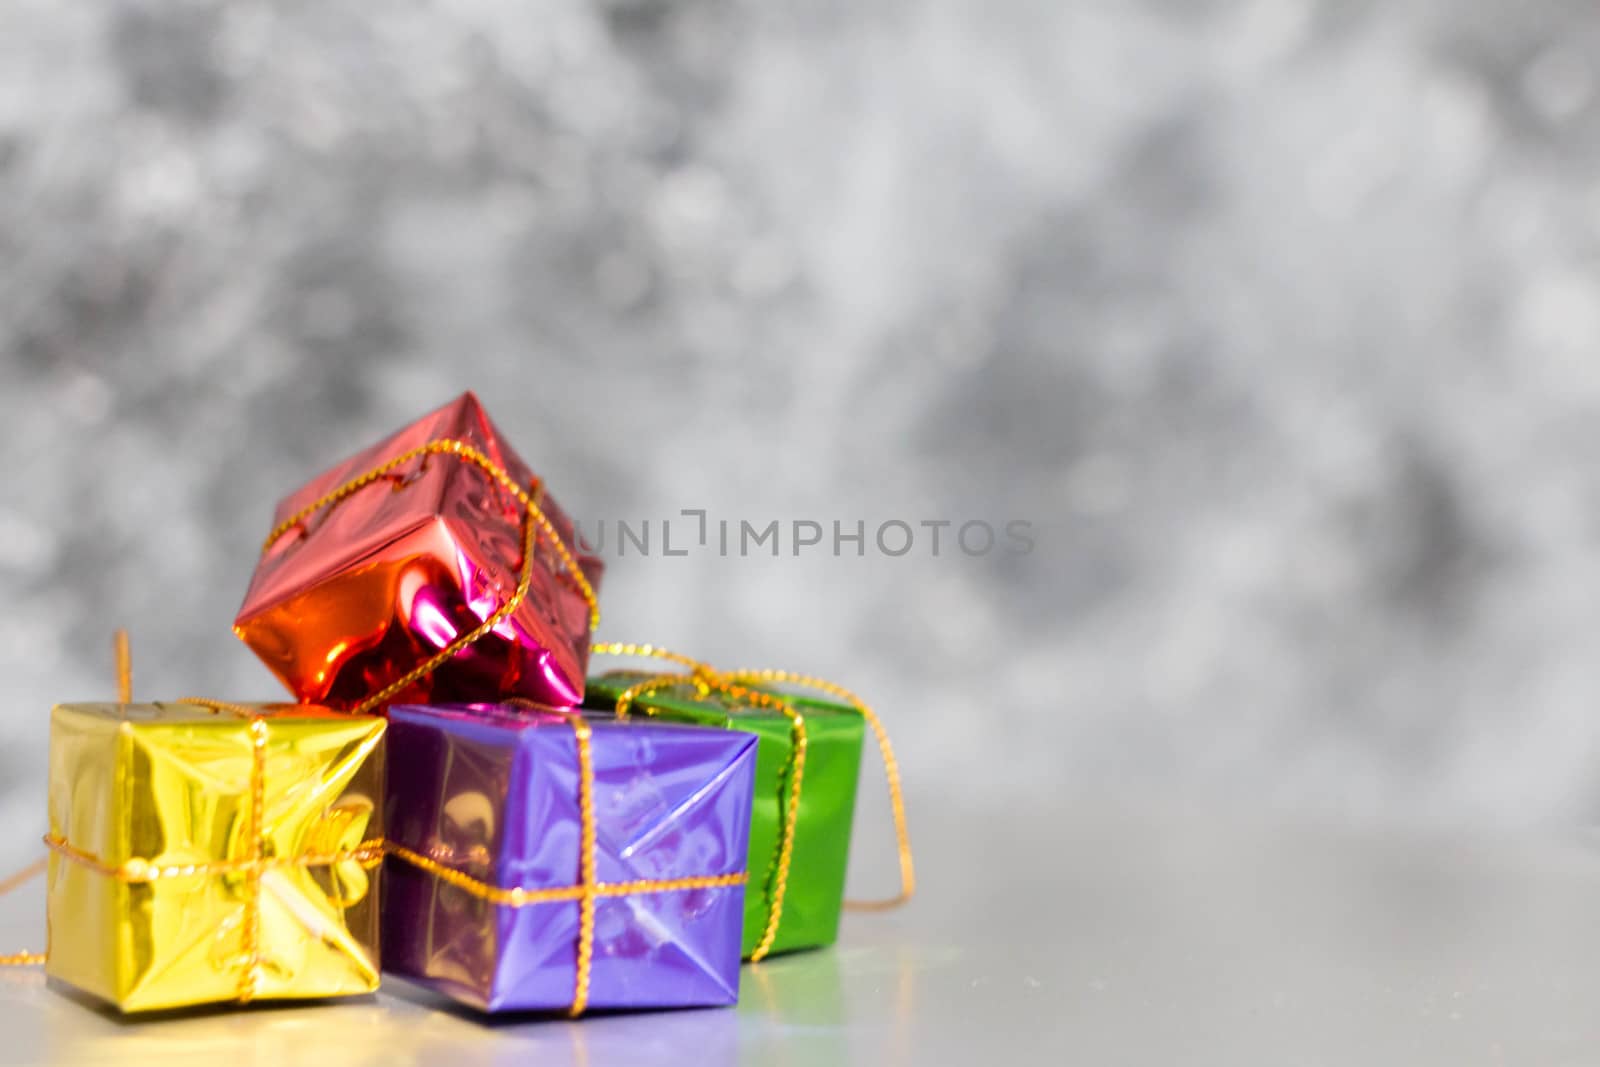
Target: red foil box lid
(363,591)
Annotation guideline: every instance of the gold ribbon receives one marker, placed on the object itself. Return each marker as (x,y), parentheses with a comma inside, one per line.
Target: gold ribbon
(586,891)
(737,685)
(535,522)
(22,877)
(143,872)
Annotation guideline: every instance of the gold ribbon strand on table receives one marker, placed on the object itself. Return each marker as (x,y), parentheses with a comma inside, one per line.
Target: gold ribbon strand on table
(137,871)
(22,877)
(587,891)
(738,685)
(535,522)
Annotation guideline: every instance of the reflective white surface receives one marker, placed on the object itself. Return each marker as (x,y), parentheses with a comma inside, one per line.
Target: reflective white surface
(1073,936)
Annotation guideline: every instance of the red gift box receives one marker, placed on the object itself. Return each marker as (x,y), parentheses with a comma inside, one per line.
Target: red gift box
(401,575)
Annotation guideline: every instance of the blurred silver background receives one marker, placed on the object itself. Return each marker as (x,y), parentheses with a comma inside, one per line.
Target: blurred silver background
(1279,320)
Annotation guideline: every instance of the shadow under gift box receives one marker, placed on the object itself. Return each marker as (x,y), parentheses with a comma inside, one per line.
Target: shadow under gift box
(494,793)
(813,894)
(363,590)
(201,856)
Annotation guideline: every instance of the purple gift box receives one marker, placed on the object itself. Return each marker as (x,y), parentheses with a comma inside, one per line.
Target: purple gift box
(484,894)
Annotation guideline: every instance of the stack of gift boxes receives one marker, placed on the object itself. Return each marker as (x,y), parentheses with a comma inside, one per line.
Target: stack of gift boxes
(449,800)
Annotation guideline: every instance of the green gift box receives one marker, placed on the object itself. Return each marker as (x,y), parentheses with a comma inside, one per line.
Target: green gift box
(813,892)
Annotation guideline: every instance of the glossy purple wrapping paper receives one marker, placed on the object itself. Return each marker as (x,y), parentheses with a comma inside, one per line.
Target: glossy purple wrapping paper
(494,793)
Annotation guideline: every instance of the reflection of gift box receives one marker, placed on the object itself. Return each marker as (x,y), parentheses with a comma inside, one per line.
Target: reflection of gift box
(508,890)
(813,892)
(397,576)
(213,854)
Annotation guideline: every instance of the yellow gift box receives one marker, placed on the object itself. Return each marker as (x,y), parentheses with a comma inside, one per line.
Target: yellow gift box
(205,852)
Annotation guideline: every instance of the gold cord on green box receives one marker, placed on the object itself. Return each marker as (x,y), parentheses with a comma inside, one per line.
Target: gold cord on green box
(807,766)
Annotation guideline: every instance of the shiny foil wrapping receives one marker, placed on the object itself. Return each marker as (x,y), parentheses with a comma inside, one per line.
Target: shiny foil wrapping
(494,794)
(171,786)
(366,589)
(814,893)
